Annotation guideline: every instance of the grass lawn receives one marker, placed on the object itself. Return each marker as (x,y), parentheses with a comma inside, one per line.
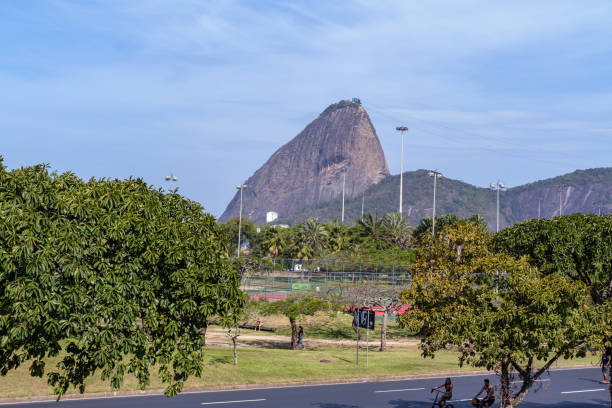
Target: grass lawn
(261,366)
(331,326)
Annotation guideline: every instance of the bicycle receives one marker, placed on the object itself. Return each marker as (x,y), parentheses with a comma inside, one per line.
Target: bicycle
(435,402)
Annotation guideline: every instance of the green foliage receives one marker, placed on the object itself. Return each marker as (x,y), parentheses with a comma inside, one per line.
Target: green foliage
(499,312)
(577,246)
(248,233)
(117,276)
(297,306)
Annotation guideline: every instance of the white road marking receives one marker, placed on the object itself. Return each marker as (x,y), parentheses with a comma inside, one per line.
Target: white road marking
(520,382)
(231,402)
(461,400)
(405,389)
(576,392)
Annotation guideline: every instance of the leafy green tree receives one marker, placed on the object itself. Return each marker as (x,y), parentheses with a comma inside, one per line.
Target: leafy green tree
(499,312)
(117,276)
(578,246)
(296,307)
(248,233)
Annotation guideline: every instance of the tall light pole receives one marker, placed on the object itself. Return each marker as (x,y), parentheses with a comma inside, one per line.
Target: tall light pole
(497,186)
(436,175)
(343,184)
(561,190)
(362,203)
(539,208)
(240,187)
(401,129)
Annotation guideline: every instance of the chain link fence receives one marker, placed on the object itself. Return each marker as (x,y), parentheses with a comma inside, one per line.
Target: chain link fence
(279,278)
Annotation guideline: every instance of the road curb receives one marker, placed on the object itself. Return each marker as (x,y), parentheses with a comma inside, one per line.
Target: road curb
(216,388)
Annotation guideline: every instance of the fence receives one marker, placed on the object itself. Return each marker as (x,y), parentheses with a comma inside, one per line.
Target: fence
(288,276)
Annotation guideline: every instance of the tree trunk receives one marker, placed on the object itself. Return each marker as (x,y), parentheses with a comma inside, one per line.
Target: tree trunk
(235,351)
(294,335)
(204,329)
(505,385)
(383,331)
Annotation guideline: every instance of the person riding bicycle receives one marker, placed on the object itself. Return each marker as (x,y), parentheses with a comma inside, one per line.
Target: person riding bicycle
(489,397)
(448,392)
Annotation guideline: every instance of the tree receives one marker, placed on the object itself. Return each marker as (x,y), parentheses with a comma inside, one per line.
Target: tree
(118,276)
(506,321)
(371,230)
(312,239)
(441,221)
(295,307)
(371,295)
(578,246)
(248,233)
(396,230)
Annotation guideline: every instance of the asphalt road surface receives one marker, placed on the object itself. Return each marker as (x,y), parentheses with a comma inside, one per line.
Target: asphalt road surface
(571,388)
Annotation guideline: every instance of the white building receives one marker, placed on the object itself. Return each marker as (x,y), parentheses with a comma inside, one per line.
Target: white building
(271,216)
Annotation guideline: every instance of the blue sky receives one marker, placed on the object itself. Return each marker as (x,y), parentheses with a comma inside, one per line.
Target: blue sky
(208,90)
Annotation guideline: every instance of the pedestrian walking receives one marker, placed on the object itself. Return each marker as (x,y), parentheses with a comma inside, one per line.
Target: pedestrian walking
(301,337)
(605,365)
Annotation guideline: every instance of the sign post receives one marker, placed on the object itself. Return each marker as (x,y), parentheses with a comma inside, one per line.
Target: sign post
(367,340)
(365,319)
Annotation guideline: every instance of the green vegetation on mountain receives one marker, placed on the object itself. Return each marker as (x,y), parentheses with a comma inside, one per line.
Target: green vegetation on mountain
(583,191)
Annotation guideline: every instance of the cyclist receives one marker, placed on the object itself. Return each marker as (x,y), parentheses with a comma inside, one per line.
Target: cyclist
(448,392)
(489,392)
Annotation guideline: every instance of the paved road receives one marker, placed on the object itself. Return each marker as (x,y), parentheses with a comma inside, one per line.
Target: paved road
(573,388)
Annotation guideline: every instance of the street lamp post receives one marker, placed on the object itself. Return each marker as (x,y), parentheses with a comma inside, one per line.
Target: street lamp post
(497,186)
(436,175)
(561,190)
(343,184)
(401,129)
(171,177)
(240,187)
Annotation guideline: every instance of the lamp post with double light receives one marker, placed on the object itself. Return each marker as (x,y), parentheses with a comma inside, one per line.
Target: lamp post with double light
(497,186)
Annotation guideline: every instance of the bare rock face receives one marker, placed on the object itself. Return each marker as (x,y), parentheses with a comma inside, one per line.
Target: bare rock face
(340,144)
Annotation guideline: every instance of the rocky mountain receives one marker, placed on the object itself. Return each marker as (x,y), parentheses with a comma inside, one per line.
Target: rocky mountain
(585,191)
(340,146)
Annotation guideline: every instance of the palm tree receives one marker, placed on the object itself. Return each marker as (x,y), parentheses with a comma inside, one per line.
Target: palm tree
(371,229)
(396,230)
(274,242)
(338,236)
(313,238)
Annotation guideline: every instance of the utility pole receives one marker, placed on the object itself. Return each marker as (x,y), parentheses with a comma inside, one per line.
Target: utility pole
(539,207)
(343,184)
(561,190)
(240,187)
(362,202)
(436,175)
(401,129)
(497,186)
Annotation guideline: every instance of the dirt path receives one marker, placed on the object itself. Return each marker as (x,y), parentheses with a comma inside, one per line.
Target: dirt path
(217,337)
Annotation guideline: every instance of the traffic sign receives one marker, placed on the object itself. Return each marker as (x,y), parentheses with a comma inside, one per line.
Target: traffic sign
(364,318)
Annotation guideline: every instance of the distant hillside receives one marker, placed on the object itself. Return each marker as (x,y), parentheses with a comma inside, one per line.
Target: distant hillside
(581,191)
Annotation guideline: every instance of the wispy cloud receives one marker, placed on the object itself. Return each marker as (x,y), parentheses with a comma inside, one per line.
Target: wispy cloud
(518,88)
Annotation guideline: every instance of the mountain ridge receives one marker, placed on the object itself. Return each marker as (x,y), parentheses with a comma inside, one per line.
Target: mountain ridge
(581,191)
